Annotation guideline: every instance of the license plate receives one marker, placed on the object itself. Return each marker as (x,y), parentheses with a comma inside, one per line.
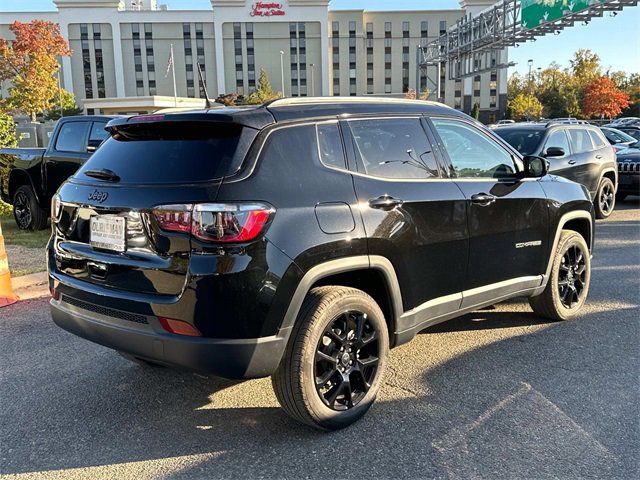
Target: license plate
(108,232)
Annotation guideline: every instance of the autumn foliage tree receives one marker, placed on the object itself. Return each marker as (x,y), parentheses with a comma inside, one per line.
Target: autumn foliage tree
(30,63)
(603,99)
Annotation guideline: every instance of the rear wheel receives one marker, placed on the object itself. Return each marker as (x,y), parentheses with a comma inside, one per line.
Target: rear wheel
(605,199)
(26,211)
(335,361)
(568,285)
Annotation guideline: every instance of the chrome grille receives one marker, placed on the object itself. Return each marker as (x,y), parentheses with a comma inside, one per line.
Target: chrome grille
(629,167)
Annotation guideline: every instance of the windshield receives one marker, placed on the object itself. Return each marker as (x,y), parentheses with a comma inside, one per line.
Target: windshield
(526,141)
(168,152)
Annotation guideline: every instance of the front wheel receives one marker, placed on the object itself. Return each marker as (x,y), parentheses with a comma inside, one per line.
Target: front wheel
(568,285)
(335,361)
(605,199)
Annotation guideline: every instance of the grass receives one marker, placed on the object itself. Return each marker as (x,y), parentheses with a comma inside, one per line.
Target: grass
(26,238)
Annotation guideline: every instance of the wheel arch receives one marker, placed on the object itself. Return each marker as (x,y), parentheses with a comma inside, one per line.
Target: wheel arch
(372,274)
(18,178)
(580,221)
(612,174)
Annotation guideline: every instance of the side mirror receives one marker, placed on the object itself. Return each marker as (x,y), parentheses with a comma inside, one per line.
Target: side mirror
(534,166)
(554,152)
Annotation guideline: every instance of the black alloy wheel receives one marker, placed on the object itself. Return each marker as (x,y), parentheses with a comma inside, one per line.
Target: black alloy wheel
(606,199)
(346,360)
(571,277)
(22,210)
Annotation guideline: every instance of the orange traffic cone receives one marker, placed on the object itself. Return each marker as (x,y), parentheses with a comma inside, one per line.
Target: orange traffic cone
(6,292)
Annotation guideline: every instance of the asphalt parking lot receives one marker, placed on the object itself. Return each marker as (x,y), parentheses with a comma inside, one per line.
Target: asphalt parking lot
(498,393)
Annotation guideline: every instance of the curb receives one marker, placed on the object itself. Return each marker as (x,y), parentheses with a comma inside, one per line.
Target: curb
(34,285)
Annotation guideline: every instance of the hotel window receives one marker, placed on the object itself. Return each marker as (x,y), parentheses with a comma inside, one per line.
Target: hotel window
(188,59)
(443,79)
(97,48)
(86,60)
(335,42)
(424,32)
(251,62)
(405,56)
(147,30)
(476,86)
(387,57)
(369,57)
(237,49)
(148,45)
(443,27)
(458,95)
(298,54)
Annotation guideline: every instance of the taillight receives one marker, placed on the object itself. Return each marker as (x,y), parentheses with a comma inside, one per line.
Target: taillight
(229,223)
(216,222)
(173,218)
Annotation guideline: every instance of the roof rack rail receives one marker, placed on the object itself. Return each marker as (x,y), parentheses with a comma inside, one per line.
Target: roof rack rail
(292,101)
(567,121)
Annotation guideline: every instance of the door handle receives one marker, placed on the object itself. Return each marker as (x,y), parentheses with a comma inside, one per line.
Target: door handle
(598,157)
(572,162)
(483,199)
(385,202)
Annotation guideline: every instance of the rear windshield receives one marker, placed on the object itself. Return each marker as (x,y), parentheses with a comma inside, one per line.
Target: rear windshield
(526,141)
(170,152)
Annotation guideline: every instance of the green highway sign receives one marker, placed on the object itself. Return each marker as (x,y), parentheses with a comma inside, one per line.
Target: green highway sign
(538,12)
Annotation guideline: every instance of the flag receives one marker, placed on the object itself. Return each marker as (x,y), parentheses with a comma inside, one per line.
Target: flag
(169,64)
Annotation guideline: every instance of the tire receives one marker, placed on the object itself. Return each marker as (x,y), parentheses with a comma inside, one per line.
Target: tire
(556,302)
(26,211)
(605,200)
(329,319)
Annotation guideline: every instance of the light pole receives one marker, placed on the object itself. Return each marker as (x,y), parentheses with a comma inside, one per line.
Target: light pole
(282,71)
(313,90)
(530,63)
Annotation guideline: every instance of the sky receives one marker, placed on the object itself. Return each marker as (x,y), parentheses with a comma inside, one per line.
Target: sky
(615,39)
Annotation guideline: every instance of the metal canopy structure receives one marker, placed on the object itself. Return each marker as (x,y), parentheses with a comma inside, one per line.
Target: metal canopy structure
(475,44)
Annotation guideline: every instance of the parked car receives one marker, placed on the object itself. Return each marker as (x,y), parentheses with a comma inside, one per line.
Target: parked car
(30,176)
(619,139)
(628,173)
(632,130)
(304,238)
(576,151)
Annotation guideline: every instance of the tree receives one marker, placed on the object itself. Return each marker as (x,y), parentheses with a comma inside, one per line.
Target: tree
(603,99)
(525,107)
(65,99)
(424,94)
(410,94)
(7,131)
(475,111)
(30,63)
(264,92)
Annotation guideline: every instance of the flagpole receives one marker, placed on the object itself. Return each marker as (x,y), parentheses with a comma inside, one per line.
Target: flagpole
(173,70)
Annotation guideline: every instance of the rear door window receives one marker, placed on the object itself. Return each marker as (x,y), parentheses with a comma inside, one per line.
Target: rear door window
(330,145)
(171,152)
(394,148)
(558,138)
(580,140)
(72,137)
(597,139)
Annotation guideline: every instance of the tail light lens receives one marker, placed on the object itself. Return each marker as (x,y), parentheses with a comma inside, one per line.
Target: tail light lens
(179,327)
(173,218)
(216,222)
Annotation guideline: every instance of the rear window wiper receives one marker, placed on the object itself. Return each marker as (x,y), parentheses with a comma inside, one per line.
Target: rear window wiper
(103,174)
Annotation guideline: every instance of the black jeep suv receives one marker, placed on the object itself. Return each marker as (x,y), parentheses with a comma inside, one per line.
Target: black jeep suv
(304,238)
(575,150)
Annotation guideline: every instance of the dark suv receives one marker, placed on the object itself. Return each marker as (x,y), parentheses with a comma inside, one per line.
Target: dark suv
(304,238)
(575,150)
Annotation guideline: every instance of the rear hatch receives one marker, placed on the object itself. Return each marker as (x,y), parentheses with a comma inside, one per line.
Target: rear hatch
(122,221)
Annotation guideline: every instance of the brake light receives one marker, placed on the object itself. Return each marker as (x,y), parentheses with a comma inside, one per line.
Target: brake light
(216,222)
(173,218)
(179,327)
(147,118)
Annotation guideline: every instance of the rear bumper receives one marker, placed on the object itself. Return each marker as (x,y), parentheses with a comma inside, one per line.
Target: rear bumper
(229,358)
